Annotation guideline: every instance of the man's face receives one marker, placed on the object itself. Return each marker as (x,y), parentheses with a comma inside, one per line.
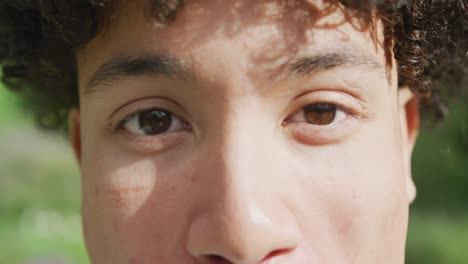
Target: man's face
(242,132)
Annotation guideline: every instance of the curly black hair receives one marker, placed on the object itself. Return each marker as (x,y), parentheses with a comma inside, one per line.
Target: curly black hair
(38,40)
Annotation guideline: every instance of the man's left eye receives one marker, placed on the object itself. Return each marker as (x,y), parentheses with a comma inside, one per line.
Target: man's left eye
(319,114)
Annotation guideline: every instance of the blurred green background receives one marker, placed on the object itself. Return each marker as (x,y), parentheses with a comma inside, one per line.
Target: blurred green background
(40,192)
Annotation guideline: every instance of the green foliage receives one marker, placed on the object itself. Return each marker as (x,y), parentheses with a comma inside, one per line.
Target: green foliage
(440,162)
(437,238)
(39,199)
(42,234)
(9,108)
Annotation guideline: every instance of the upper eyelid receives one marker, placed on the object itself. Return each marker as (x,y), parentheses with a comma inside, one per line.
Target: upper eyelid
(363,112)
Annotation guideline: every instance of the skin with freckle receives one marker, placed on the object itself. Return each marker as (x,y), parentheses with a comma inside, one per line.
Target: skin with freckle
(242,175)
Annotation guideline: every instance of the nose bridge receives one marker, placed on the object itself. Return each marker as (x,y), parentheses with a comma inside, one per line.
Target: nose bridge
(243,220)
(243,141)
(247,173)
(244,138)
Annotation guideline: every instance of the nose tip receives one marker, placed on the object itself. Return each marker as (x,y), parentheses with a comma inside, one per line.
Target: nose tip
(246,236)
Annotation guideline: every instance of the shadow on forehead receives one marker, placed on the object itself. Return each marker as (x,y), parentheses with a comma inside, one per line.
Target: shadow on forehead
(166,10)
(291,18)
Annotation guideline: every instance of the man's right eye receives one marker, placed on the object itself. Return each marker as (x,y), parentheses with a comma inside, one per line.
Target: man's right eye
(154,122)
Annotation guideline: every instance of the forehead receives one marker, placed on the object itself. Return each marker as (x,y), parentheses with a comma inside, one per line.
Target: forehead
(268,32)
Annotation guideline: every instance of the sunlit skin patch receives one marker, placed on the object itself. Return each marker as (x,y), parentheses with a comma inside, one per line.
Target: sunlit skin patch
(119,195)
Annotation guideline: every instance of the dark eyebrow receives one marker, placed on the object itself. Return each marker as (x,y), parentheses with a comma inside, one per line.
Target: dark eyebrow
(156,64)
(348,57)
(163,64)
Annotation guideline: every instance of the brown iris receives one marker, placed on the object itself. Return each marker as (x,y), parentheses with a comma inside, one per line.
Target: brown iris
(155,121)
(320,114)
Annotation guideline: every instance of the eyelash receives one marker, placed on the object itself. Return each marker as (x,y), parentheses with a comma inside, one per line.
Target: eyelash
(122,122)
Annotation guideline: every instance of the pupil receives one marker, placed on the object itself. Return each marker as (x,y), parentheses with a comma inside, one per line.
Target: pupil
(320,114)
(155,122)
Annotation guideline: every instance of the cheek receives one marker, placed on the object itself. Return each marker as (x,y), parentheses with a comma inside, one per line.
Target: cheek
(356,192)
(133,205)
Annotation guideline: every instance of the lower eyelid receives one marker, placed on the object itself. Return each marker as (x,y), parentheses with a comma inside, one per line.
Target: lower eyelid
(151,144)
(163,139)
(315,135)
